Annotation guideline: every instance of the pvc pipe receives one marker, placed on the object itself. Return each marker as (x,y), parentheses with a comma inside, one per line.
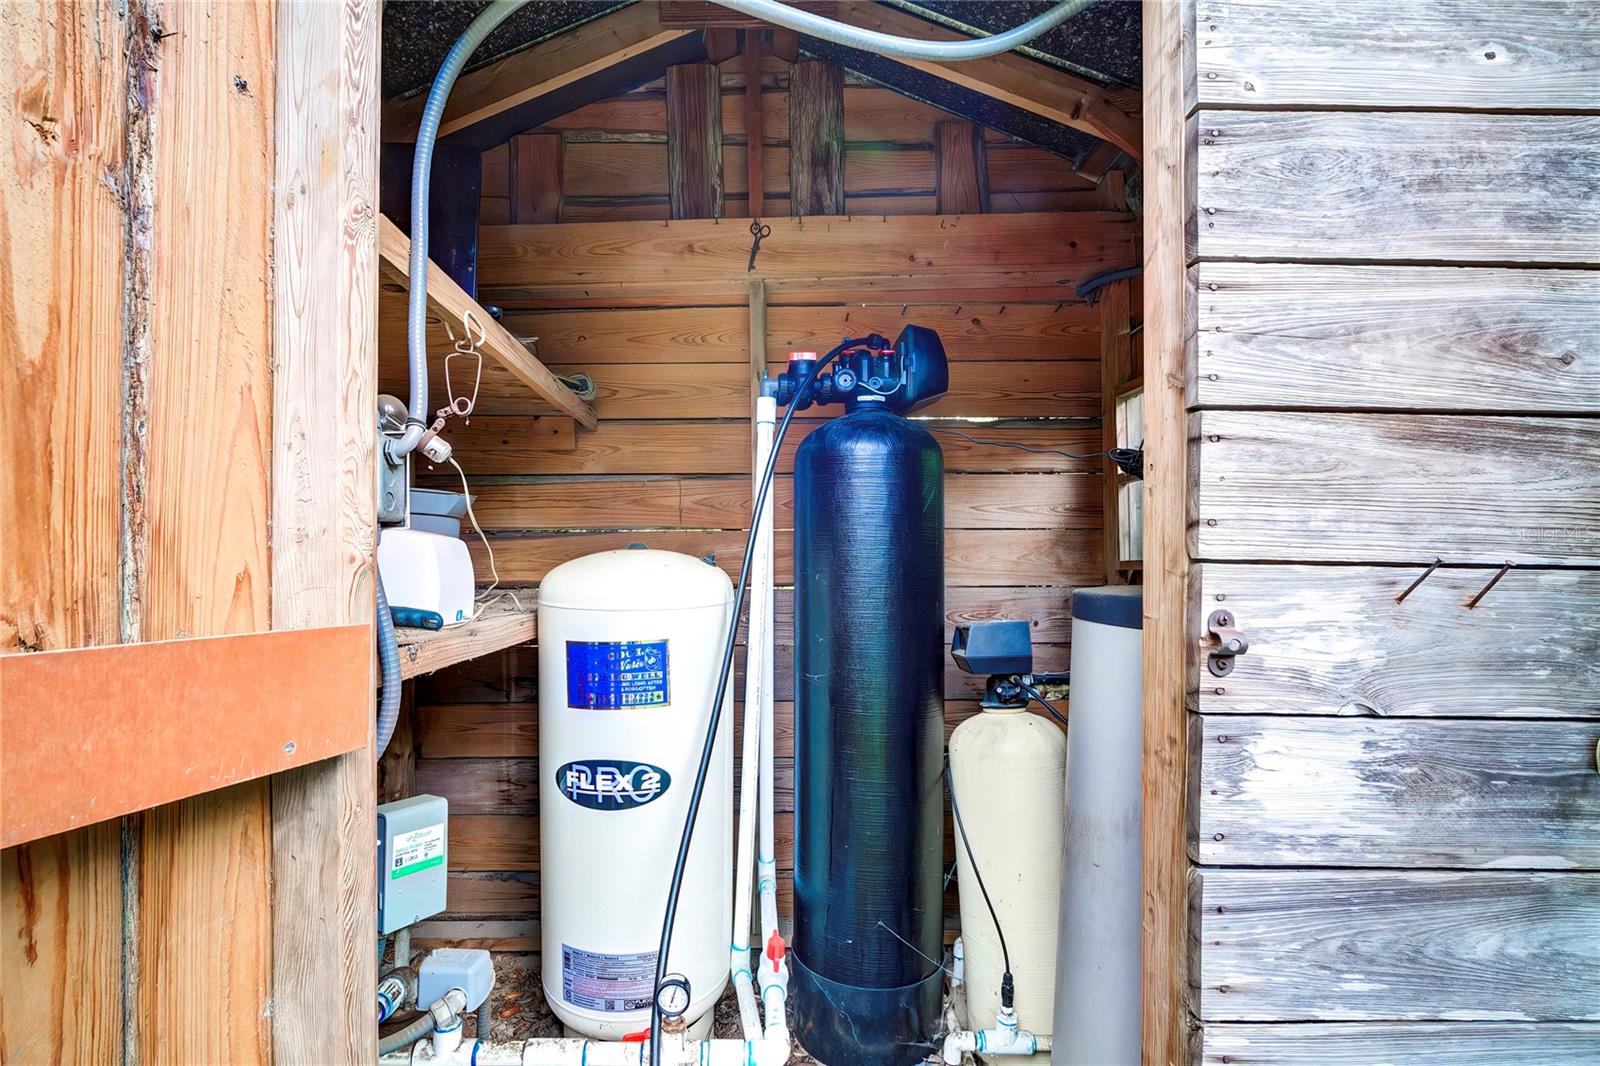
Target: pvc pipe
(885,44)
(1006,1038)
(677,1050)
(762,606)
(755,652)
(421,179)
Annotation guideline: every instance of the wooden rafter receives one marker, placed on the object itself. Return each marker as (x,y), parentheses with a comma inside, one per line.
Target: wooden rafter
(540,70)
(1108,113)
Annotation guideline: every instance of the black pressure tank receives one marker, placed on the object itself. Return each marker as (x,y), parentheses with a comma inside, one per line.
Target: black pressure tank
(869,738)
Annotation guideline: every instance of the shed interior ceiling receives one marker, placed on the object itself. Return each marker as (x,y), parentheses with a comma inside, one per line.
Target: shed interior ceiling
(1101,43)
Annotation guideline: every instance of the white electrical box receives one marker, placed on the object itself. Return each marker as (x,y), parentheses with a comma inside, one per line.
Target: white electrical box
(412,860)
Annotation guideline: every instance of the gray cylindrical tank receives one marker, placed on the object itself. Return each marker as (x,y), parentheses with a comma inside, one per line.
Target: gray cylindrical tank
(1097,961)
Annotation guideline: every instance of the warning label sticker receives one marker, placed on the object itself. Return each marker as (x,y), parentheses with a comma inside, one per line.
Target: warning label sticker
(615,983)
(616,675)
(416,851)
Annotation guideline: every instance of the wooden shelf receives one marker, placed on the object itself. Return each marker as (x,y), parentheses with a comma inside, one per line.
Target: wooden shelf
(501,626)
(449,301)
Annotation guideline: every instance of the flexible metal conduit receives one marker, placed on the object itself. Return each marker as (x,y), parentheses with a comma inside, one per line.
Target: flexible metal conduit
(389,694)
(421,175)
(905,47)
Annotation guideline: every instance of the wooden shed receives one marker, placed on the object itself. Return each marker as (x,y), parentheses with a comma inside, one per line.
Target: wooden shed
(1334,271)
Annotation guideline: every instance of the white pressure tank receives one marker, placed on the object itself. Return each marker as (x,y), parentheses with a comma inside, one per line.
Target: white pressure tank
(630,645)
(1098,965)
(1008,770)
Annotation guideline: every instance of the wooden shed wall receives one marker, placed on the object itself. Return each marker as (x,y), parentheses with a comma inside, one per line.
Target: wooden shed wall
(669,463)
(150,370)
(1393,365)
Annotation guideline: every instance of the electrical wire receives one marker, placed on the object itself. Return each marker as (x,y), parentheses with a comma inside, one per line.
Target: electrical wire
(955,808)
(1033,694)
(485,597)
(669,917)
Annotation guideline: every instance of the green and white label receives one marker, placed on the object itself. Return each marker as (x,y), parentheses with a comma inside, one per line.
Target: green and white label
(418,850)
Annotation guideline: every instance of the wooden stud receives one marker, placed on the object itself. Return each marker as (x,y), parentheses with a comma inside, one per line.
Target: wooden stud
(324,923)
(1116,358)
(722,43)
(785,44)
(961,184)
(535,161)
(694,141)
(816,139)
(199,500)
(754,124)
(1168,83)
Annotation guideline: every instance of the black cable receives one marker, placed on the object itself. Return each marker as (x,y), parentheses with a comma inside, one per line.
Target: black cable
(1033,694)
(671,914)
(955,808)
(1123,457)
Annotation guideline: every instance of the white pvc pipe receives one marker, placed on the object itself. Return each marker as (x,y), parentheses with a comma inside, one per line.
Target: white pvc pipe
(885,44)
(774,979)
(676,1050)
(757,696)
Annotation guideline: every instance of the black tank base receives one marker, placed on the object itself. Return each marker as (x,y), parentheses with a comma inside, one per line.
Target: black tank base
(843,1025)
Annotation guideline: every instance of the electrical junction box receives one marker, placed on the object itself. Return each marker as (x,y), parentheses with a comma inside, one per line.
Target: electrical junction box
(469,969)
(412,862)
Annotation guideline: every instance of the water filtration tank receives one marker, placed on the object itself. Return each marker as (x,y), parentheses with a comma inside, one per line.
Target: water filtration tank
(630,645)
(1098,967)
(1008,768)
(869,736)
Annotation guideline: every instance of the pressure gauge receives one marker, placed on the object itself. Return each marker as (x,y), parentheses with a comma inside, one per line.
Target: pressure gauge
(672,996)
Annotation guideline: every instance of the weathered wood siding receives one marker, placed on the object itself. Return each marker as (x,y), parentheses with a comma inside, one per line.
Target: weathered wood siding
(1392,363)
(139,295)
(656,312)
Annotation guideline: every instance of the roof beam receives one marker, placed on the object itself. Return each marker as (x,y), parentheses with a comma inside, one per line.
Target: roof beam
(538,71)
(1108,113)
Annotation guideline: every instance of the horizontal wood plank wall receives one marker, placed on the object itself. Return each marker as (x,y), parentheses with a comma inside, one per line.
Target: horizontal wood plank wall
(1392,378)
(647,311)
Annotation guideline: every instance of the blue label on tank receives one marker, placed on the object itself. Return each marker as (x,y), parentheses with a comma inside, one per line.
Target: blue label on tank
(611,784)
(616,675)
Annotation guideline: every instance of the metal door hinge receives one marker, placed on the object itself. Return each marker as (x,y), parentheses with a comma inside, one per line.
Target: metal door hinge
(1224,643)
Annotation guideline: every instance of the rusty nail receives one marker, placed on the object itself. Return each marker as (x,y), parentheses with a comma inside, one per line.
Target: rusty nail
(1493,581)
(1437,562)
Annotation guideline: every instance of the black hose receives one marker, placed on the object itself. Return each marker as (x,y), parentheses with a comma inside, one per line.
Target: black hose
(671,914)
(1033,694)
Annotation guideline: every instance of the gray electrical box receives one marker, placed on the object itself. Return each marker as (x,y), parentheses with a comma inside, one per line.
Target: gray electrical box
(412,860)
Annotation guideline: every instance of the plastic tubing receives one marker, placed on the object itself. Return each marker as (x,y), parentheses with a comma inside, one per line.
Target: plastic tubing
(421,179)
(905,47)
(670,914)
(389,695)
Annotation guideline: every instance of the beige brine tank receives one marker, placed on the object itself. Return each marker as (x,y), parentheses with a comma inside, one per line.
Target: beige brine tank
(630,645)
(1008,768)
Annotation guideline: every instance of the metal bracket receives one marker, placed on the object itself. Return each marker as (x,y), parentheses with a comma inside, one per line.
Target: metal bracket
(1226,643)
